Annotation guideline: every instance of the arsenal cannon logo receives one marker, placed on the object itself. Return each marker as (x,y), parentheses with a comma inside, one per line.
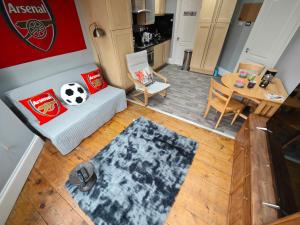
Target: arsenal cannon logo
(32,21)
(45,105)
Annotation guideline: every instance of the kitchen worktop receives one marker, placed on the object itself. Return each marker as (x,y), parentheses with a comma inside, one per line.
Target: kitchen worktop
(151,44)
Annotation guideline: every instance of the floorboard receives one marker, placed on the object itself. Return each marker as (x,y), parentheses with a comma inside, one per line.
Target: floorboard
(202,200)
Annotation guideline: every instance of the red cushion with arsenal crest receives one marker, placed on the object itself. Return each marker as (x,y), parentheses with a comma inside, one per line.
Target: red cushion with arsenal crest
(94,80)
(44,106)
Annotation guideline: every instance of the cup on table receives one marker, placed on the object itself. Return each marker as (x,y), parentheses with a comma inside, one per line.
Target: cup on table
(251,83)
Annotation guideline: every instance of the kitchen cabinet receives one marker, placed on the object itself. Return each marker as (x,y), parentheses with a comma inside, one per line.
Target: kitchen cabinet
(158,56)
(123,44)
(252,181)
(119,14)
(166,51)
(212,27)
(160,7)
(114,17)
(161,54)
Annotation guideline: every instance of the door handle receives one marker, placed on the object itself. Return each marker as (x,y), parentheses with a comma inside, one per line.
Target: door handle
(178,38)
(247,50)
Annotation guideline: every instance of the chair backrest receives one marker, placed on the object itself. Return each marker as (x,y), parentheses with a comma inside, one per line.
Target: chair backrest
(136,61)
(249,66)
(219,91)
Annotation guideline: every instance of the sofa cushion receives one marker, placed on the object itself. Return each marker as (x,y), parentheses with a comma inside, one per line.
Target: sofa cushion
(70,128)
(54,82)
(44,106)
(94,81)
(73,93)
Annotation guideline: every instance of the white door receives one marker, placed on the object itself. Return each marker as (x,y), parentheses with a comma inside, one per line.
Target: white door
(186,21)
(274,27)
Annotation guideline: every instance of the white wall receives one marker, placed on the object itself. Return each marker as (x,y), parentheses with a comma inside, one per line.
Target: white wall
(288,64)
(171,6)
(236,38)
(15,76)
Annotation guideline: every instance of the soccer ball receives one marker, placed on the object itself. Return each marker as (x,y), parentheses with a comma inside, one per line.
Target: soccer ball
(73,93)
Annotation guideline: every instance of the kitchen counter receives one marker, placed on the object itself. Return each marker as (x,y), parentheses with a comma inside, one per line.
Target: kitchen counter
(151,44)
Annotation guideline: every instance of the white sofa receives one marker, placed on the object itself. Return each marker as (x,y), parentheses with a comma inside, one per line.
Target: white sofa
(68,129)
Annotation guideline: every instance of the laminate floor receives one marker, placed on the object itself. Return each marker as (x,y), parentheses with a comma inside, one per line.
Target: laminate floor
(202,200)
(187,98)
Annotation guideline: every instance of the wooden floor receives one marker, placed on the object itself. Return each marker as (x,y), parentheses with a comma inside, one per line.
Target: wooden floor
(203,197)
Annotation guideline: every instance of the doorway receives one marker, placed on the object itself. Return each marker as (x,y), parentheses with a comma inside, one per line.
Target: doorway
(262,41)
(186,21)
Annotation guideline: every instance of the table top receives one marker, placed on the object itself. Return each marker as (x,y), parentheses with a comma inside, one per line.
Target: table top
(275,87)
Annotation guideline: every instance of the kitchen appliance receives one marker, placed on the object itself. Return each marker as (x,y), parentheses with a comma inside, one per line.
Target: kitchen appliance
(284,148)
(143,12)
(146,38)
(150,55)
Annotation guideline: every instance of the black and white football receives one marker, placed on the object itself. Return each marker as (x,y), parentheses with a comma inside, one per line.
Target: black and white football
(73,93)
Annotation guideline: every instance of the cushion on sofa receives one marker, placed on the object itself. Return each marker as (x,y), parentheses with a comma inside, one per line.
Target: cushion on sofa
(73,93)
(78,122)
(94,80)
(44,106)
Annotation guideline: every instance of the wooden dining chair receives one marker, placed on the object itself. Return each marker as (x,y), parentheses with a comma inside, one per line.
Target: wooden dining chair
(137,62)
(251,67)
(219,98)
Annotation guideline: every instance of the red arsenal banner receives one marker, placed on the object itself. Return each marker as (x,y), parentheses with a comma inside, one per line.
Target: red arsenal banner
(36,29)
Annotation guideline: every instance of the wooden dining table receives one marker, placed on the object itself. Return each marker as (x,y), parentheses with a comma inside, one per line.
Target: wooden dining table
(266,106)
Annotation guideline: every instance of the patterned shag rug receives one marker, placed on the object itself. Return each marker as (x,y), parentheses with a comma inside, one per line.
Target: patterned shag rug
(139,175)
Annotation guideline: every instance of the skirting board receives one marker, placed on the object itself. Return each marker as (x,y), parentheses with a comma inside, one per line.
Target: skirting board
(13,187)
(172,61)
(185,120)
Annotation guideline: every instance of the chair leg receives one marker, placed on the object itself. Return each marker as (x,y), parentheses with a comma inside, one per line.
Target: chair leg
(237,113)
(165,93)
(219,120)
(207,110)
(146,99)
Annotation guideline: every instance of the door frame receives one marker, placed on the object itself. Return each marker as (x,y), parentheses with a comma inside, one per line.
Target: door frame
(285,41)
(176,31)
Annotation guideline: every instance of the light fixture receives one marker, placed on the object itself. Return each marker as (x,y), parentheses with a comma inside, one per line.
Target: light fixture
(97,32)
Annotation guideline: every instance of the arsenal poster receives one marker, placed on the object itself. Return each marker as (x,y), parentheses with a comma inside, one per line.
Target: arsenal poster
(37,29)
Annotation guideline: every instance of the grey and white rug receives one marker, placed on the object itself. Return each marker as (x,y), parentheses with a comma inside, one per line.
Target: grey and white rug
(139,175)
(187,98)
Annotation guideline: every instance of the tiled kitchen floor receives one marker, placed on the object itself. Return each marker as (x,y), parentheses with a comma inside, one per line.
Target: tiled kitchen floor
(187,98)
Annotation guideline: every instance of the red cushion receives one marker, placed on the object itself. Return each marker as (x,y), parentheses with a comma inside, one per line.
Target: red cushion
(44,106)
(94,80)
(144,76)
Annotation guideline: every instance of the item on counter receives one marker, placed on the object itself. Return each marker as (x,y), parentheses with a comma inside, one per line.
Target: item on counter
(251,77)
(251,83)
(266,79)
(245,73)
(147,37)
(270,74)
(239,83)
(272,96)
